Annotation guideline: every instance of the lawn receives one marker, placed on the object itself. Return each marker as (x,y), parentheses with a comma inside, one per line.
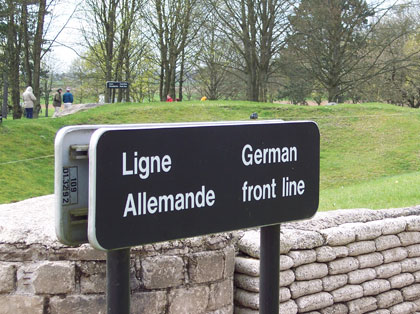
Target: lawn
(370,153)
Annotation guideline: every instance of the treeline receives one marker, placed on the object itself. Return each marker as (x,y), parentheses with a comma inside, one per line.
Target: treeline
(258,50)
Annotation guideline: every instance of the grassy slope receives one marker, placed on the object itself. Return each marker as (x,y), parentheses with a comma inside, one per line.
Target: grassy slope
(369,153)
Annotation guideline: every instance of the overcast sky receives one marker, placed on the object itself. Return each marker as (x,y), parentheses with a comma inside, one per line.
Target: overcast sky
(62,55)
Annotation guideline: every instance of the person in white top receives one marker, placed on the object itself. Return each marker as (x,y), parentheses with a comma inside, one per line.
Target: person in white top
(28,102)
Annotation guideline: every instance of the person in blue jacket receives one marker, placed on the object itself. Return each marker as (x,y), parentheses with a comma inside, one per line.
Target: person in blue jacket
(67,98)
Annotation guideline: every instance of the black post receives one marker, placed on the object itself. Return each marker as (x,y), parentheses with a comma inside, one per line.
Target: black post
(269,269)
(118,281)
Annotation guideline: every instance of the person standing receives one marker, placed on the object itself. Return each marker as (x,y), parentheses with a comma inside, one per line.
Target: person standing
(28,102)
(67,98)
(57,101)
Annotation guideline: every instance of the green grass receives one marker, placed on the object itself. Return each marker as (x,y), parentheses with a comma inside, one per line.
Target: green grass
(365,148)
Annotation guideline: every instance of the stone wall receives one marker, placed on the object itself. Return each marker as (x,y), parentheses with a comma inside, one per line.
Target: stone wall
(354,261)
(38,275)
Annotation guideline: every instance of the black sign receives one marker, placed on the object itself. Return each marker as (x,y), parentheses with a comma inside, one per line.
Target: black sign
(111,84)
(158,184)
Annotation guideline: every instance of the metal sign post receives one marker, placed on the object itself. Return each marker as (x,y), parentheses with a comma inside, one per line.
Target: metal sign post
(118,281)
(269,269)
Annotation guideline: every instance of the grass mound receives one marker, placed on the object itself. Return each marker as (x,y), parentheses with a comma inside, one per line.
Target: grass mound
(370,153)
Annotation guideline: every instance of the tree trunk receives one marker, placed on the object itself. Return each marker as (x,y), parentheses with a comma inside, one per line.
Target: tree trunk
(181,75)
(13,52)
(37,55)
(25,36)
(333,92)
(4,109)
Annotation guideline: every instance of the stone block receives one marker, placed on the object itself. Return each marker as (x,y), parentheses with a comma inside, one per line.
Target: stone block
(339,308)
(289,307)
(389,298)
(302,257)
(80,304)
(343,265)
(221,295)
(246,282)
(314,302)
(243,310)
(401,280)
(362,305)
(301,288)
(286,277)
(361,275)
(21,304)
(285,294)
(360,248)
(375,287)
(325,254)
(393,225)
(85,252)
(370,260)
(159,272)
(148,302)
(286,262)
(394,255)
(188,300)
(411,293)
(311,271)
(388,270)
(403,308)
(334,282)
(413,250)
(206,267)
(410,265)
(409,238)
(249,266)
(246,299)
(229,255)
(38,278)
(225,310)
(93,277)
(347,293)
(387,242)
(336,236)
(7,277)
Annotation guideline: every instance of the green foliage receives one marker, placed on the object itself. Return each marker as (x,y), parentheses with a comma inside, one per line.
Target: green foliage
(369,152)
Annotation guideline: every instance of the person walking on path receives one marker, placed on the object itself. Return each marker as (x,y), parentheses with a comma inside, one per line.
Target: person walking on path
(57,101)
(28,102)
(67,98)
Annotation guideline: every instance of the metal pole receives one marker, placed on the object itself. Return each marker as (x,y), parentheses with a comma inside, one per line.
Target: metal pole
(269,269)
(118,281)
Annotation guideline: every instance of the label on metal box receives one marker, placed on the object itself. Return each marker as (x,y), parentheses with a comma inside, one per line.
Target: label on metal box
(70,186)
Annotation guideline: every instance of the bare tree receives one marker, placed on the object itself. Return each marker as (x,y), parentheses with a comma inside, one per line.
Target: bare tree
(174,25)
(255,28)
